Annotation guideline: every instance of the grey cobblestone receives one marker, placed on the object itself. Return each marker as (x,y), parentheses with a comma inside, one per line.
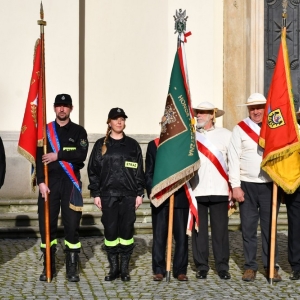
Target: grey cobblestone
(20,268)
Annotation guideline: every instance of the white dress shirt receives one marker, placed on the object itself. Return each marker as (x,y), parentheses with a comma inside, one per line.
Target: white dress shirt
(244,159)
(211,181)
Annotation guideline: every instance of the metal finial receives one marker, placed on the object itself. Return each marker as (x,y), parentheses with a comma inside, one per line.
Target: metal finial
(284,12)
(42,11)
(284,5)
(41,21)
(180,21)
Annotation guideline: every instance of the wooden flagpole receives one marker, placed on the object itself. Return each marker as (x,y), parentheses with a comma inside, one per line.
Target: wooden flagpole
(170,234)
(43,23)
(273,233)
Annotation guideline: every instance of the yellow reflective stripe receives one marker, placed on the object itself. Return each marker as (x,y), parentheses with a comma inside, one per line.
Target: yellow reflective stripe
(130,164)
(69,148)
(126,242)
(111,243)
(73,246)
(54,242)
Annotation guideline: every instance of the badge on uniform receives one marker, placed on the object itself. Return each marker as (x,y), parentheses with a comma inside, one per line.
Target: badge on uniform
(130,164)
(83,143)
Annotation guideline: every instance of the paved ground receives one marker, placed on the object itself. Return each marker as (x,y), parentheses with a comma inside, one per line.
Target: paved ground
(20,268)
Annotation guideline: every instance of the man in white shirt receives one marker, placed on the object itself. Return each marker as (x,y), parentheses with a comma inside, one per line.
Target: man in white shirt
(212,192)
(251,187)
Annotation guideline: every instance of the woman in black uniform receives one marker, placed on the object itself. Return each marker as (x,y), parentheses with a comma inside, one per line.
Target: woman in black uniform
(116,178)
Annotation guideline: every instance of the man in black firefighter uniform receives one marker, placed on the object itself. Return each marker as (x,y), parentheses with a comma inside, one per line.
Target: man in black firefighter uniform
(160,217)
(67,147)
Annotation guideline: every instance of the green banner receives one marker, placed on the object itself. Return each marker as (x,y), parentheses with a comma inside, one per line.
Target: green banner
(177,157)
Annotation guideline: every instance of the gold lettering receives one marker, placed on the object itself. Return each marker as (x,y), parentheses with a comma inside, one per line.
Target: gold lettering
(183,103)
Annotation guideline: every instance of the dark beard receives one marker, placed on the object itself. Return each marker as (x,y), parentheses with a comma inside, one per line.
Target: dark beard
(66,117)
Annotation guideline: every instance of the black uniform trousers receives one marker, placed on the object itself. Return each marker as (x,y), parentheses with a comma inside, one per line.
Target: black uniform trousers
(160,221)
(118,217)
(218,211)
(256,206)
(60,192)
(292,202)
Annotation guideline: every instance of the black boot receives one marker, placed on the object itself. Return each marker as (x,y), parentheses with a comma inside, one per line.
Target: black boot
(43,276)
(113,259)
(72,265)
(125,253)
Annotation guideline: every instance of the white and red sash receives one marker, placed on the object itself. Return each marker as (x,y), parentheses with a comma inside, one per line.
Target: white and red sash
(193,209)
(250,128)
(209,150)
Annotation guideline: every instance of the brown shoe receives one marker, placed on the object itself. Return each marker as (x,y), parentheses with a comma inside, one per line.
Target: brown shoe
(249,275)
(182,277)
(158,277)
(276,277)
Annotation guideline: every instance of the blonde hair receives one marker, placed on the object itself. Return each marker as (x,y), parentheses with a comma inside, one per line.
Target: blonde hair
(104,148)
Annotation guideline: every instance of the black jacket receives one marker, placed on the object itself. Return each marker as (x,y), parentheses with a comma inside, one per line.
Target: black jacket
(73,149)
(119,172)
(180,199)
(2,163)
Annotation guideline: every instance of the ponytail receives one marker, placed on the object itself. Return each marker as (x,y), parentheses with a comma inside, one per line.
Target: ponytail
(104,148)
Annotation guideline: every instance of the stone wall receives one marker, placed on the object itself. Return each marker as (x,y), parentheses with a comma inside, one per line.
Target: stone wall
(17,179)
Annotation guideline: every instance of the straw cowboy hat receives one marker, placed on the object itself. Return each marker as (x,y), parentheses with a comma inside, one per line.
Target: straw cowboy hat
(209,106)
(255,99)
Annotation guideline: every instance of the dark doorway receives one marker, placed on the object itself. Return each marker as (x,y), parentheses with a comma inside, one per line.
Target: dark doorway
(273,22)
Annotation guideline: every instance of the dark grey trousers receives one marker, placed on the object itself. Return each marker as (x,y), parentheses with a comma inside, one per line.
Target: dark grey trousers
(256,207)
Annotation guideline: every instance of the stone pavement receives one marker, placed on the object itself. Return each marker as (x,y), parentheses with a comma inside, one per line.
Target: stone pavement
(20,268)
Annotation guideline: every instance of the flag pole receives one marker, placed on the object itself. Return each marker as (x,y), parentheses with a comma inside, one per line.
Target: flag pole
(43,23)
(180,27)
(170,234)
(273,232)
(275,187)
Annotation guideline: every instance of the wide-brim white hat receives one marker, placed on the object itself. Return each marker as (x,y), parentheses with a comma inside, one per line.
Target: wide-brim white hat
(255,99)
(209,106)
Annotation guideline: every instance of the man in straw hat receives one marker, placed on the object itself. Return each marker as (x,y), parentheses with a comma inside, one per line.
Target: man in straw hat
(212,192)
(251,187)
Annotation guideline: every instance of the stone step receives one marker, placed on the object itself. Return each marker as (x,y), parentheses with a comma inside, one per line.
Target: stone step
(19,218)
(30,205)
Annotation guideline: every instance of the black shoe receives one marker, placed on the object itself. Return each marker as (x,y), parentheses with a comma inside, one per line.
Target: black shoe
(202,274)
(111,276)
(224,274)
(295,275)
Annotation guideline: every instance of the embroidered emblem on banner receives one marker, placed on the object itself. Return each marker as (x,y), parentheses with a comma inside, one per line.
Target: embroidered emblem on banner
(171,124)
(275,119)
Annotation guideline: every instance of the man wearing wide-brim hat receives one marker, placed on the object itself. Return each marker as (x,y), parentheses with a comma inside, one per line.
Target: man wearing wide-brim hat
(212,192)
(251,187)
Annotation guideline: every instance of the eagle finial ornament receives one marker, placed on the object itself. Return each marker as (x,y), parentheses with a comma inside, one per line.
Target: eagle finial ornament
(180,21)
